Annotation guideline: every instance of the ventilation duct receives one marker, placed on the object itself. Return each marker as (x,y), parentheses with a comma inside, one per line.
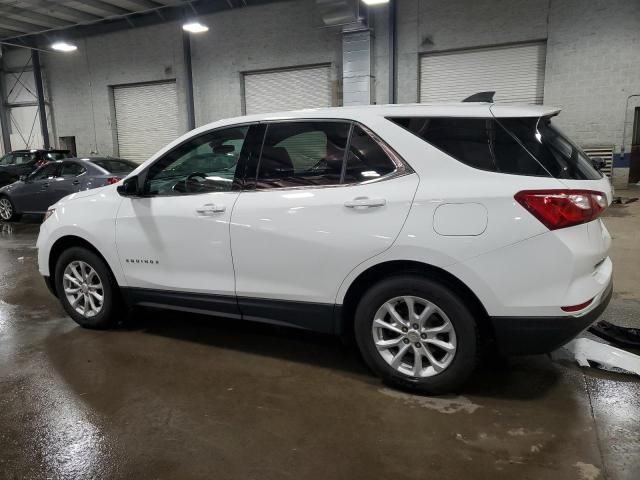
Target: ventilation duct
(340,13)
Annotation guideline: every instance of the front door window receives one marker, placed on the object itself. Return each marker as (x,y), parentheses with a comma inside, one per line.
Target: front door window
(204,164)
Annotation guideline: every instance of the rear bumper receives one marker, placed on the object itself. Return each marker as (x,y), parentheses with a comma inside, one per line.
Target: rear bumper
(535,335)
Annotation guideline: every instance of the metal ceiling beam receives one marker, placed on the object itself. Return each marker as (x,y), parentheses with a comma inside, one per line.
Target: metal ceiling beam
(108,8)
(54,8)
(169,13)
(17,25)
(147,4)
(7,32)
(68,13)
(33,17)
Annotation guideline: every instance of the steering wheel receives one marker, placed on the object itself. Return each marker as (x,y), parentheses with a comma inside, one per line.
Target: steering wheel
(191,184)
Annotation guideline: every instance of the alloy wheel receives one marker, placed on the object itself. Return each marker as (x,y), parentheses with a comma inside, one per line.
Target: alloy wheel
(414,336)
(6,209)
(83,288)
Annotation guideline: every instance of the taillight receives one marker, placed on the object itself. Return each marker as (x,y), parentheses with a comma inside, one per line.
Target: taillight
(39,163)
(563,208)
(112,180)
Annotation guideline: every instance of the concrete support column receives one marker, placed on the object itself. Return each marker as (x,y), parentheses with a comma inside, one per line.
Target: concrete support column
(42,110)
(357,77)
(4,117)
(186,51)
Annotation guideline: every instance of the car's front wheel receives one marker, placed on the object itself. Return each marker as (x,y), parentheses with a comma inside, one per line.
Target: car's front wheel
(7,210)
(417,334)
(87,289)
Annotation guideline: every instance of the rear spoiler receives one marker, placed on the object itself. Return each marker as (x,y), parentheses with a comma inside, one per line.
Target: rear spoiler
(485,97)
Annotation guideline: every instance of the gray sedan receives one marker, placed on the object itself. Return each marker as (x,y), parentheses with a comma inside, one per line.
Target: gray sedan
(48,184)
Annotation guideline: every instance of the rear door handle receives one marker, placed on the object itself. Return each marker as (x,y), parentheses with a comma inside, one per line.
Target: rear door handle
(76,182)
(210,209)
(365,202)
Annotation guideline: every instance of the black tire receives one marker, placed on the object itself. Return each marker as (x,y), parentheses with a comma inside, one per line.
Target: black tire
(112,308)
(13,216)
(464,360)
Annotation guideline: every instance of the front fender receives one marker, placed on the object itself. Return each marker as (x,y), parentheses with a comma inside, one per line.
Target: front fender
(89,219)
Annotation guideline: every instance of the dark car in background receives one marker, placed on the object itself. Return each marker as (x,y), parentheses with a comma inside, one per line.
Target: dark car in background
(35,192)
(22,162)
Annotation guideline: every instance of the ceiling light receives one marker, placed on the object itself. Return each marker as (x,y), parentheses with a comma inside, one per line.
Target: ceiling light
(194,27)
(375,2)
(63,47)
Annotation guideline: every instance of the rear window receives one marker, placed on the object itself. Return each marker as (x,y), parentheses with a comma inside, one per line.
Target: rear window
(53,156)
(116,166)
(521,146)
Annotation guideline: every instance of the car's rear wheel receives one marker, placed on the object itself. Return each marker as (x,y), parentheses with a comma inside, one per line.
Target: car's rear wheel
(87,289)
(417,334)
(8,211)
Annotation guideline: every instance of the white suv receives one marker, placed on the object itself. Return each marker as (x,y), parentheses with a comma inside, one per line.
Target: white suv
(426,230)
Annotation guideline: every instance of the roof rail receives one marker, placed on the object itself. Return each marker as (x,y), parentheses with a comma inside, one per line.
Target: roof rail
(481,97)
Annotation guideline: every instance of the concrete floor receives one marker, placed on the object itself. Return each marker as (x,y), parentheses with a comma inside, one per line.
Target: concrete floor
(179,396)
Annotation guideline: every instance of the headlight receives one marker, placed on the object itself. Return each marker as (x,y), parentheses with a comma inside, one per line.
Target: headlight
(50,212)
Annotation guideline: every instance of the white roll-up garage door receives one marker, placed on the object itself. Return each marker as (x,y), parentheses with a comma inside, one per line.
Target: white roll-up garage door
(515,73)
(290,89)
(146,118)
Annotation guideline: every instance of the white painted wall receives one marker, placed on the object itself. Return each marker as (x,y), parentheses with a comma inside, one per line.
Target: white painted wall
(79,83)
(591,66)
(257,38)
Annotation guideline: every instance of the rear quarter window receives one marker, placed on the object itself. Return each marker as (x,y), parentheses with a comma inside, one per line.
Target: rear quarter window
(521,146)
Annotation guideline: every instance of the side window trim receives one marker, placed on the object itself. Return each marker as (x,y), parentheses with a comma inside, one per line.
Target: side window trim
(346,153)
(401,166)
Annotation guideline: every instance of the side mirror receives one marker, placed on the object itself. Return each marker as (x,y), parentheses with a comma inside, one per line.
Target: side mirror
(23,178)
(130,187)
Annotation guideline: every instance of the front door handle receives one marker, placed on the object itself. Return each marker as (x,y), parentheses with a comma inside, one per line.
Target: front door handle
(76,182)
(210,209)
(365,202)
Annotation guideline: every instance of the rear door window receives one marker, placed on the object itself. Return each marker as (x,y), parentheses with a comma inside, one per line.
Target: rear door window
(296,154)
(71,169)
(522,146)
